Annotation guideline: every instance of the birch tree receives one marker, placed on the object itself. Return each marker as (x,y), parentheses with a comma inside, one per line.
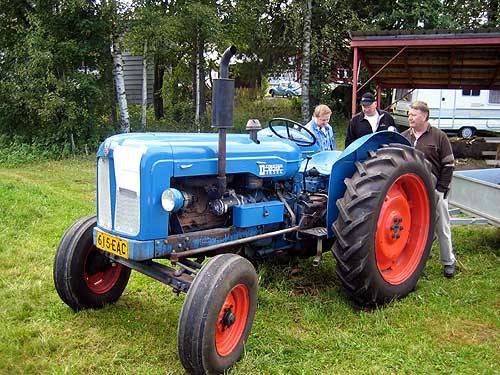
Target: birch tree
(306,60)
(120,85)
(118,16)
(199,26)
(199,81)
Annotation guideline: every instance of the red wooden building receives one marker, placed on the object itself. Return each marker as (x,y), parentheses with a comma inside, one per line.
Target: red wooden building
(426,59)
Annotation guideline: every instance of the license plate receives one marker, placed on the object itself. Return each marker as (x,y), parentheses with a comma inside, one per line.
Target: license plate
(112,244)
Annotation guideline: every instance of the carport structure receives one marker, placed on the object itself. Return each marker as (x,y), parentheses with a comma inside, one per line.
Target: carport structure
(426,59)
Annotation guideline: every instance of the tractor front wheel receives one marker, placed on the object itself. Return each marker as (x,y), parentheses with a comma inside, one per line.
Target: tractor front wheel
(84,277)
(385,226)
(217,315)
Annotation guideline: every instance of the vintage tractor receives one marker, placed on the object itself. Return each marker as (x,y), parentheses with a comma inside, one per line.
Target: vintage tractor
(208,204)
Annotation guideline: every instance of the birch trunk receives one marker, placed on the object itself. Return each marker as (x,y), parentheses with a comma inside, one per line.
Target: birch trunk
(306,61)
(199,83)
(201,79)
(197,91)
(120,86)
(144,102)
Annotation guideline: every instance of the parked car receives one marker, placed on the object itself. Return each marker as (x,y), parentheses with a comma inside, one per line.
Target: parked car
(285,89)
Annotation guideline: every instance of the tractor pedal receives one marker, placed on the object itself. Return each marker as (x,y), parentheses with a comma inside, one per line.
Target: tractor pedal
(318,232)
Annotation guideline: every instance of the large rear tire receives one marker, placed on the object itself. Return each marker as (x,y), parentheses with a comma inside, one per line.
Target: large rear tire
(217,315)
(84,277)
(385,226)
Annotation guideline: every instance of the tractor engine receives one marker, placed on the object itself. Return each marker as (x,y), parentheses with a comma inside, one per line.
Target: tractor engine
(204,210)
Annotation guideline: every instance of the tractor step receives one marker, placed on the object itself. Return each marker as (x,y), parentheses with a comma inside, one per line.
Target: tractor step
(319,232)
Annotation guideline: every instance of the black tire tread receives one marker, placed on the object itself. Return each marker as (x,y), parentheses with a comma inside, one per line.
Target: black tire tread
(196,309)
(353,228)
(68,241)
(68,252)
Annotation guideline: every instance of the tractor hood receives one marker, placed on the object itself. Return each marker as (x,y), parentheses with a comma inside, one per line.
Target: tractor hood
(195,154)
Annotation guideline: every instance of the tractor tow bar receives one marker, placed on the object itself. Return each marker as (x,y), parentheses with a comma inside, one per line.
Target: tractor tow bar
(166,275)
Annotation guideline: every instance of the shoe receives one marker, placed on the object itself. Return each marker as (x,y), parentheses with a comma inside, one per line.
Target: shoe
(449,270)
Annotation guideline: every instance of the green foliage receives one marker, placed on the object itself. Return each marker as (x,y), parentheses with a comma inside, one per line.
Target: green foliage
(52,76)
(17,151)
(56,70)
(14,152)
(248,104)
(263,33)
(432,14)
(177,93)
(263,109)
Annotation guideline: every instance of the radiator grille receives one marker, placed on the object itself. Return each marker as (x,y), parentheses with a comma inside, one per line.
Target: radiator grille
(103,194)
(127,215)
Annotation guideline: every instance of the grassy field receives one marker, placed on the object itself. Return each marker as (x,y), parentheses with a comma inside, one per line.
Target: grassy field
(305,324)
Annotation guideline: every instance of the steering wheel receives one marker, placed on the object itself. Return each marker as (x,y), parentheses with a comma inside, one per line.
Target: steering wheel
(290,124)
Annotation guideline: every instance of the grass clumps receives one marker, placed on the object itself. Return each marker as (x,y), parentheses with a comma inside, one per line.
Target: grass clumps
(305,323)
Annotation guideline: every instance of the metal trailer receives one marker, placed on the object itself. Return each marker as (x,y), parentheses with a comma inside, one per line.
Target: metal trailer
(478,193)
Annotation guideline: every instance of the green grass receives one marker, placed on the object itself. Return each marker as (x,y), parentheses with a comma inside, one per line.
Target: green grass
(305,324)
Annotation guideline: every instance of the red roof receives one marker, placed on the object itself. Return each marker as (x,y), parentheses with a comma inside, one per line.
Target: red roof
(431,58)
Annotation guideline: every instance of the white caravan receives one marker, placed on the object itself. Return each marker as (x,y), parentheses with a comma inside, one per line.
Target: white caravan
(458,111)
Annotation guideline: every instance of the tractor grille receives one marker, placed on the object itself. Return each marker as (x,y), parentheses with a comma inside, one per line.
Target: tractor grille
(127,211)
(103,194)
(126,207)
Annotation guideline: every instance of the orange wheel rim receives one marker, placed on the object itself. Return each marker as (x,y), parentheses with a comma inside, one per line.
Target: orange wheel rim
(232,320)
(402,229)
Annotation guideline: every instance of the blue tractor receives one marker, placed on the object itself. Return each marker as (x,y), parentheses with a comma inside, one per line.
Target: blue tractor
(209,204)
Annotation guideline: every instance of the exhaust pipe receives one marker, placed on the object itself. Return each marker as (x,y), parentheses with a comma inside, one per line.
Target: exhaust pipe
(224,61)
(222,114)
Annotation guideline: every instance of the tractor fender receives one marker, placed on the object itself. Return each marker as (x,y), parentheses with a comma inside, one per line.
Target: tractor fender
(344,167)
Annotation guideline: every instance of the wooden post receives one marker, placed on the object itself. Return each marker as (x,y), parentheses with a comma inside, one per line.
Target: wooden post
(354,82)
(379,95)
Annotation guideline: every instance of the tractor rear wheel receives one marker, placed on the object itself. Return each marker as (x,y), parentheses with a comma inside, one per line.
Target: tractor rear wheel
(84,277)
(217,315)
(385,226)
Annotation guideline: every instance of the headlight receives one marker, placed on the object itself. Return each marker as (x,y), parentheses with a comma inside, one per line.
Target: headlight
(172,200)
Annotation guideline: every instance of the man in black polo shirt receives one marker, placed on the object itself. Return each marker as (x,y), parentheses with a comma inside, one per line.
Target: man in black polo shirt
(369,120)
(436,147)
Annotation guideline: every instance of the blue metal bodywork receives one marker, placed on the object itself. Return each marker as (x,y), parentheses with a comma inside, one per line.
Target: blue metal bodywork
(254,214)
(163,156)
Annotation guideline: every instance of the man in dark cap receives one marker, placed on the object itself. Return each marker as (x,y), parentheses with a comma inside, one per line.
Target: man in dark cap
(369,120)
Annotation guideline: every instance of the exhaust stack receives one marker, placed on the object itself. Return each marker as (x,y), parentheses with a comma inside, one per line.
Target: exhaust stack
(222,113)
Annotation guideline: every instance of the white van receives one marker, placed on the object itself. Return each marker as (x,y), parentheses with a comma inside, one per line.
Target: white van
(458,111)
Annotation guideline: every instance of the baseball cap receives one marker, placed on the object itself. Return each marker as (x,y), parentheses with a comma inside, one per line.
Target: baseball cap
(367,98)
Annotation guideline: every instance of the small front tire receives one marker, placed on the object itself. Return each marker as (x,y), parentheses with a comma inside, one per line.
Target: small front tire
(84,277)
(217,315)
